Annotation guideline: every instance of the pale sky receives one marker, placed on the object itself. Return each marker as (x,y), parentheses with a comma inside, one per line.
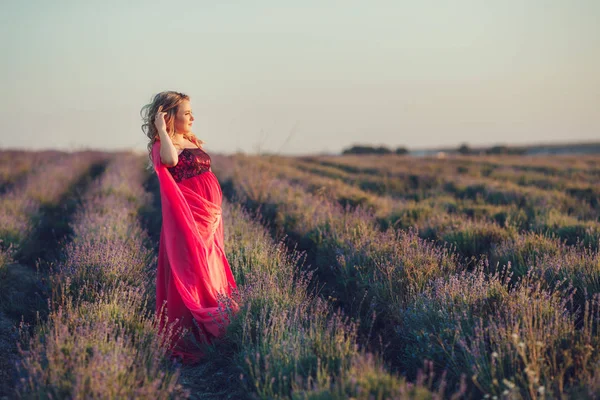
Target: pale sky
(301,77)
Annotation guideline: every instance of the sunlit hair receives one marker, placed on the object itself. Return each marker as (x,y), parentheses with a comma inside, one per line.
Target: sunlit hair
(167,101)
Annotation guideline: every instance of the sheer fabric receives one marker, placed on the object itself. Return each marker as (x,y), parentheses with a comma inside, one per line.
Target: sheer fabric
(194,278)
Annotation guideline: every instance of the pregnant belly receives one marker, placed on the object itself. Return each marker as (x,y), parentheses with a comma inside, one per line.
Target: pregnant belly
(206,185)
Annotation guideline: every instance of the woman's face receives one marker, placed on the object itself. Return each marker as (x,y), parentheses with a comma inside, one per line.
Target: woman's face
(184,118)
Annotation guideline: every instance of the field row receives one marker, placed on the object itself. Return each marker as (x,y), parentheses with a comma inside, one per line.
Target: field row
(495,214)
(518,323)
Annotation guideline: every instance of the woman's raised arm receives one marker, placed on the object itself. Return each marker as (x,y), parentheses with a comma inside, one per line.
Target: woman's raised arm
(168,152)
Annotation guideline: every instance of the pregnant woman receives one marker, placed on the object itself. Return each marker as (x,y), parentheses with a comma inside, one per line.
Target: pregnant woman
(194,283)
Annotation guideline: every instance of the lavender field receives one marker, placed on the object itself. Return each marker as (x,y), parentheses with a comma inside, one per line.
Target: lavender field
(364,277)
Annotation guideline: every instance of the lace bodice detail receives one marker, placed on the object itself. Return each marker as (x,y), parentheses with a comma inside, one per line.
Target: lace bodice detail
(191,162)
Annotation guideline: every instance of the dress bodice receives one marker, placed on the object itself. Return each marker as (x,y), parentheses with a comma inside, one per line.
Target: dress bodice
(191,162)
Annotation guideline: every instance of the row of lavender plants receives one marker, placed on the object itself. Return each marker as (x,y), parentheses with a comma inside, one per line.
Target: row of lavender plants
(525,332)
(469,179)
(20,206)
(467,219)
(288,341)
(16,164)
(503,188)
(99,340)
(483,236)
(556,169)
(24,225)
(470,236)
(471,233)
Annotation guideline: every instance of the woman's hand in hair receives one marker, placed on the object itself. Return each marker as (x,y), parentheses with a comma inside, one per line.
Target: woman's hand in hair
(159,120)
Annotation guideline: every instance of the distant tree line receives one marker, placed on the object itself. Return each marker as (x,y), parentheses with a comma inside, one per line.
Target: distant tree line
(363,149)
(462,149)
(465,149)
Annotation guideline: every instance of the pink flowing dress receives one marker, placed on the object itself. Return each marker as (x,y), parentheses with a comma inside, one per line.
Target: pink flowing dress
(194,279)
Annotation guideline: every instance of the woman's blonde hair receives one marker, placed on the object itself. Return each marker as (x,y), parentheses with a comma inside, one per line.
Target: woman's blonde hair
(167,101)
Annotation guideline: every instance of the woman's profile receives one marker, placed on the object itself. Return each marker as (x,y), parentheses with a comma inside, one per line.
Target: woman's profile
(194,283)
